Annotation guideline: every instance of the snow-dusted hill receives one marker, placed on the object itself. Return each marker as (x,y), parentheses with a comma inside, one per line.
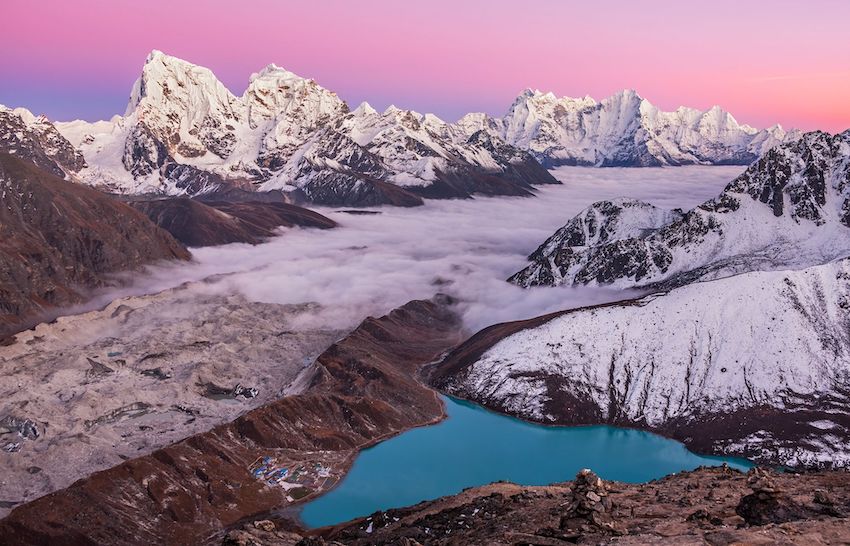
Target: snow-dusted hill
(601,223)
(625,130)
(756,365)
(36,140)
(185,132)
(789,209)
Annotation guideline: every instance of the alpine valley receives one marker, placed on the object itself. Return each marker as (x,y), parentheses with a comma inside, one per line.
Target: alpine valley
(211,305)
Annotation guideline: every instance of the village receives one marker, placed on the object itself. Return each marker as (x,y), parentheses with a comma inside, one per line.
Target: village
(297,478)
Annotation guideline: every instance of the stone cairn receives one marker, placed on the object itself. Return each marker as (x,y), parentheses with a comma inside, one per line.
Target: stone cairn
(767,503)
(590,503)
(762,484)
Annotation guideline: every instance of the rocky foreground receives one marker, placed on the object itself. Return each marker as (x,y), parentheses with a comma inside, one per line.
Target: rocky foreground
(716,506)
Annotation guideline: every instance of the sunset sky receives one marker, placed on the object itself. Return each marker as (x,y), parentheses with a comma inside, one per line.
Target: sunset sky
(766,62)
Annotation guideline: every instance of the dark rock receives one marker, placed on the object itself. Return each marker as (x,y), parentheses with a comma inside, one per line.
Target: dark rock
(156,373)
(196,223)
(38,142)
(768,503)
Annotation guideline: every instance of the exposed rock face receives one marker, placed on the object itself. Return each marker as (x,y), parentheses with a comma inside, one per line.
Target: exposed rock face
(420,153)
(789,209)
(36,140)
(362,389)
(181,109)
(184,132)
(195,223)
(56,237)
(624,130)
(331,169)
(683,364)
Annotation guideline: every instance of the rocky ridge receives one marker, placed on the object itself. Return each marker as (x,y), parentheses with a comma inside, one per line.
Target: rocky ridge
(360,390)
(789,209)
(35,139)
(198,223)
(698,507)
(752,365)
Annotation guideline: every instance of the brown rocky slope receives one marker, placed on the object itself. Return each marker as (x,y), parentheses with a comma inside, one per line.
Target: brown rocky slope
(195,223)
(708,506)
(58,239)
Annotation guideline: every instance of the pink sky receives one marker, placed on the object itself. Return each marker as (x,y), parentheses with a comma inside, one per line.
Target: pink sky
(766,62)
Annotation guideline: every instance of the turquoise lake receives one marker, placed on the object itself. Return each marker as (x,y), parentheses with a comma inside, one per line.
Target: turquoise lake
(475,446)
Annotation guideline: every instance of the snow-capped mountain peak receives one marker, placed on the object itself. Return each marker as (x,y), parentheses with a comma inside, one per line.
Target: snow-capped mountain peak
(364,109)
(624,130)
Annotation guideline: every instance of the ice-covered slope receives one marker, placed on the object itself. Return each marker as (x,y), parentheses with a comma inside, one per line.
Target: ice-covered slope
(185,132)
(624,130)
(756,364)
(789,209)
(36,140)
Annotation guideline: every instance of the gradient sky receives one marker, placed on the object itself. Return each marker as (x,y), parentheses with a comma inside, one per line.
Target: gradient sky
(765,61)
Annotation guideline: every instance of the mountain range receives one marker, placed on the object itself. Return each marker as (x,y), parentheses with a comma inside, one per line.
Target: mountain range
(184,132)
(625,130)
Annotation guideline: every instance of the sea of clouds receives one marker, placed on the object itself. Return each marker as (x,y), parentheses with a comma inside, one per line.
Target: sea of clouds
(464,248)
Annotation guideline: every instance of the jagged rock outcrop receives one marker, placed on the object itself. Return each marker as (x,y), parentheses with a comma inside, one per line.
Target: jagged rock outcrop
(791,208)
(195,223)
(624,130)
(601,223)
(58,238)
(36,140)
(753,365)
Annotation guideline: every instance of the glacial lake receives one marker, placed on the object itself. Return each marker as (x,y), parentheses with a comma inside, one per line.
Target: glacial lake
(474,446)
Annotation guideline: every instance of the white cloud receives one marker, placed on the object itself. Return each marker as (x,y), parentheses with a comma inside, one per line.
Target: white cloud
(465,248)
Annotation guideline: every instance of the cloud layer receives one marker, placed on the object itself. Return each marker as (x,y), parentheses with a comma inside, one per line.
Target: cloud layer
(465,248)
